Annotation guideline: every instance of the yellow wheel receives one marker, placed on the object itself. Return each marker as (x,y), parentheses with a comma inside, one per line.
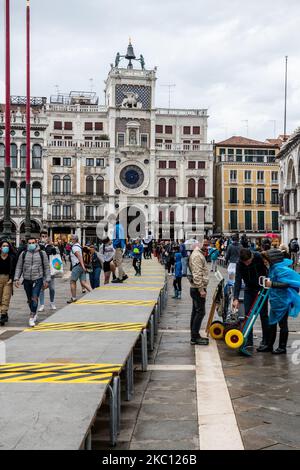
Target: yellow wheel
(216,330)
(234,339)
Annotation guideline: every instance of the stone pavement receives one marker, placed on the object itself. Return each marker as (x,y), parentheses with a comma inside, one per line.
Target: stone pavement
(163,414)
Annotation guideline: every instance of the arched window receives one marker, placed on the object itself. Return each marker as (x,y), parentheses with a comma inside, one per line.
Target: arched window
(14,155)
(23,194)
(162,187)
(201,188)
(1,194)
(56,184)
(13,194)
(67,185)
(99,186)
(172,187)
(23,155)
(191,188)
(36,195)
(89,185)
(36,156)
(2,155)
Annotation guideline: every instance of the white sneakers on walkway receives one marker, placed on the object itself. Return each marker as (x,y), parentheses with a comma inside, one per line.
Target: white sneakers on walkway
(42,307)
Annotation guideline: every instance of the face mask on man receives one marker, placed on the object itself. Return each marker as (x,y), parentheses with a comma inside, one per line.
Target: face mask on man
(31,246)
(5,250)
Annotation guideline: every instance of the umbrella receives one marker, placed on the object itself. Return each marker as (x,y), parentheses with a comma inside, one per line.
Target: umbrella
(272,235)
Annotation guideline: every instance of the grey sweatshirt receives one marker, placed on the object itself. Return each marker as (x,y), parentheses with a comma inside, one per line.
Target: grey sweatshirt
(32,267)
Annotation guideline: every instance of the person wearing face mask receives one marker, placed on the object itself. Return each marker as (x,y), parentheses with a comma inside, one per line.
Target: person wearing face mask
(33,265)
(7,271)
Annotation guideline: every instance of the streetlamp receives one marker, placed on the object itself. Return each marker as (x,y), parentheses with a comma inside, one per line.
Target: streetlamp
(7,168)
(28,176)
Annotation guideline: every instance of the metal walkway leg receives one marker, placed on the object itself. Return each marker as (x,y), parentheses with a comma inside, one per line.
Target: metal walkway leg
(144,350)
(88,441)
(156,320)
(129,377)
(151,332)
(114,404)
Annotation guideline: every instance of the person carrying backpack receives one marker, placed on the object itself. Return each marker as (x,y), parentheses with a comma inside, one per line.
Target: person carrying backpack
(78,269)
(213,255)
(177,274)
(34,266)
(7,270)
(294,249)
(137,251)
(50,250)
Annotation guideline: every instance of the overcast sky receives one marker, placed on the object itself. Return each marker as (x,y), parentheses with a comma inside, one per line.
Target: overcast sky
(225,55)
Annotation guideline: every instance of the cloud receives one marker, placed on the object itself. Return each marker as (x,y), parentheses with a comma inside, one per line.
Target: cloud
(225,55)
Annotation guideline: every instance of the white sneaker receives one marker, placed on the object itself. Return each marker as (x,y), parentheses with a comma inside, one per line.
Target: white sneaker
(42,308)
(52,306)
(31,322)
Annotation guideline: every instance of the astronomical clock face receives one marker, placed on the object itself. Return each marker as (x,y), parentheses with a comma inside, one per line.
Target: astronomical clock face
(132,176)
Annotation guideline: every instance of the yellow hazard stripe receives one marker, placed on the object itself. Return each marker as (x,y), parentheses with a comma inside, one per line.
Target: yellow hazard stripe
(46,377)
(56,367)
(82,326)
(131,303)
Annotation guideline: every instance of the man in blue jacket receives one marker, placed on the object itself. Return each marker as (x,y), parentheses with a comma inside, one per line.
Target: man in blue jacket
(119,244)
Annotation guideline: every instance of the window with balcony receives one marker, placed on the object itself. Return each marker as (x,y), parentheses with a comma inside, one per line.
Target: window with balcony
(121,139)
(260,196)
(233,196)
(67,161)
(56,161)
(88,126)
(89,212)
(191,188)
(159,129)
(274,196)
(2,155)
(201,187)
(56,212)
(89,162)
(248,220)
(23,156)
(162,164)
(1,194)
(162,187)
(98,126)
(233,176)
(144,140)
(13,194)
(248,195)
(68,126)
(274,177)
(172,164)
(89,186)
(201,165)
(191,165)
(239,155)
(23,194)
(233,220)
(56,184)
(100,162)
(14,155)
(99,186)
(261,177)
(261,220)
(172,187)
(275,221)
(36,195)
(58,125)
(187,130)
(168,129)
(67,184)
(247,176)
(36,157)
(196,130)
(67,212)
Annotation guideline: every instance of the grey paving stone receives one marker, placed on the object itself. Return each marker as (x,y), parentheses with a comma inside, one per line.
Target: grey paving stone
(158,430)
(167,412)
(164,396)
(184,444)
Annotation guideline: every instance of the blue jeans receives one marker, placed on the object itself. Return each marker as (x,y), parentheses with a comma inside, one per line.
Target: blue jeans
(33,289)
(95,278)
(51,292)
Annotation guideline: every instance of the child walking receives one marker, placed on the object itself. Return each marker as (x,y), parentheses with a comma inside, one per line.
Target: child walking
(137,252)
(177,275)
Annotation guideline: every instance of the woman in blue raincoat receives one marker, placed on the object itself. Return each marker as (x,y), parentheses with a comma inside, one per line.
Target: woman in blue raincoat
(284,296)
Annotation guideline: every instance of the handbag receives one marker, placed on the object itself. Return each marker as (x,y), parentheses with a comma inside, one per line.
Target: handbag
(56,265)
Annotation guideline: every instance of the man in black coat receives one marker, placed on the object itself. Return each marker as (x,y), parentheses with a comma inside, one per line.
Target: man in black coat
(249,268)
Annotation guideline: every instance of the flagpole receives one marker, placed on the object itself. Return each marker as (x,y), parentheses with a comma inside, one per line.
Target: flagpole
(285,97)
(28,150)
(7,168)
